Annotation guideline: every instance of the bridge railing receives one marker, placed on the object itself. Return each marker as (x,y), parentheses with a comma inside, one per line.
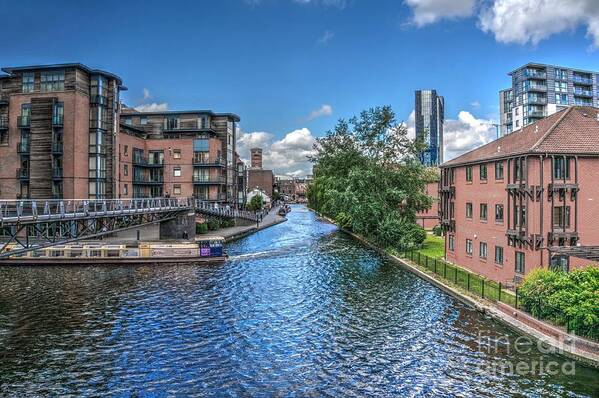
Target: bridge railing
(216,210)
(12,211)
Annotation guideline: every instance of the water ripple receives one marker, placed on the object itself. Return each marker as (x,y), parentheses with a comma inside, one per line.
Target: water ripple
(298,310)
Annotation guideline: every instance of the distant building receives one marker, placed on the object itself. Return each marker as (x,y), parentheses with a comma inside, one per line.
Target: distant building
(540,90)
(256,158)
(429,112)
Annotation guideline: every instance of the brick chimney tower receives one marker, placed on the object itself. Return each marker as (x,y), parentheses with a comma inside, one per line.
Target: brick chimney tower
(256,158)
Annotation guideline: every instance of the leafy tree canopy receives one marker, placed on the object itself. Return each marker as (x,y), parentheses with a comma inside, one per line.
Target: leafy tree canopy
(367,177)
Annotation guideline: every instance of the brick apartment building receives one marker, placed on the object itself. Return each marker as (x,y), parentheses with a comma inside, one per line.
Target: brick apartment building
(58,132)
(428,219)
(178,153)
(63,134)
(525,200)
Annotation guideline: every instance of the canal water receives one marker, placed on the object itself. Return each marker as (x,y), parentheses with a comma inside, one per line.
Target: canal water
(300,309)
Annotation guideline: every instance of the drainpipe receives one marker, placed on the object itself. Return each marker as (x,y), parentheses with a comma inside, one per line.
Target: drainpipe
(541,163)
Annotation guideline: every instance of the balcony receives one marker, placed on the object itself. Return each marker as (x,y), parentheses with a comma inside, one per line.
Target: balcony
(99,124)
(57,120)
(24,121)
(57,173)
(144,180)
(147,162)
(582,92)
(202,162)
(534,73)
(537,100)
(22,174)
(188,125)
(199,180)
(536,114)
(582,79)
(57,147)
(97,149)
(96,99)
(583,102)
(3,122)
(210,198)
(536,87)
(23,147)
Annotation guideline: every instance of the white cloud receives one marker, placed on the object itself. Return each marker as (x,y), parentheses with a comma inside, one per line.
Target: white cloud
(324,110)
(153,107)
(326,37)
(430,11)
(475,104)
(530,21)
(465,133)
(146,94)
(411,125)
(286,156)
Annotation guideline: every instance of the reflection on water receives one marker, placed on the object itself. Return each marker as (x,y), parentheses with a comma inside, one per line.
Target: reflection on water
(299,309)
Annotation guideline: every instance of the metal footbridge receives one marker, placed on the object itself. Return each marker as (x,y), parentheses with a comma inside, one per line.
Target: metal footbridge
(35,224)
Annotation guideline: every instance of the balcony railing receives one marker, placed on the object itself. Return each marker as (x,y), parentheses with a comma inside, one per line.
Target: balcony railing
(23,121)
(97,149)
(535,73)
(537,100)
(148,162)
(210,198)
(57,172)
(57,147)
(199,161)
(3,122)
(23,147)
(198,179)
(536,87)
(22,173)
(536,114)
(99,124)
(57,120)
(188,125)
(148,180)
(582,103)
(584,93)
(583,80)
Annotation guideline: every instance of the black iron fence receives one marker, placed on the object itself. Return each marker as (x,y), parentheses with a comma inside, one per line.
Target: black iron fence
(496,291)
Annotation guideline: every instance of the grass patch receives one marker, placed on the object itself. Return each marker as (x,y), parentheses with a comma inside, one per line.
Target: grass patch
(433,246)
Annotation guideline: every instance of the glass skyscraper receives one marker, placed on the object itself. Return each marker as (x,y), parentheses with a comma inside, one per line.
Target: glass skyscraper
(429,125)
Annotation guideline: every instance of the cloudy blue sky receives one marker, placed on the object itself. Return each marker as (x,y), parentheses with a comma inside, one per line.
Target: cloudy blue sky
(291,68)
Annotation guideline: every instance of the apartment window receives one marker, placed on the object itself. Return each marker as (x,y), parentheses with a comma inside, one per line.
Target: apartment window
(128,121)
(177,189)
(517,122)
(57,113)
(482,250)
(126,169)
(143,120)
(520,262)
(52,81)
(561,87)
(499,170)
(498,213)
(172,123)
(483,172)
(560,263)
(177,171)
(561,99)
(518,169)
(469,173)
(483,212)
(520,216)
(177,154)
(126,150)
(469,247)
(561,168)
(451,242)
(516,111)
(126,189)
(499,255)
(468,210)
(28,82)
(451,209)
(561,74)
(561,217)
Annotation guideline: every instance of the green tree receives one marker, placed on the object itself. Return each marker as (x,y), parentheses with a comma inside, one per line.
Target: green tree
(367,177)
(256,203)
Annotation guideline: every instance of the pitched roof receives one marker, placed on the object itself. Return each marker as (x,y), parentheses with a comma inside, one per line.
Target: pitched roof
(574,130)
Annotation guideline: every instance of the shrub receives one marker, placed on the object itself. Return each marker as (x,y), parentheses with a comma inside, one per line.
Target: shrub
(256,203)
(437,230)
(214,224)
(227,223)
(201,228)
(564,297)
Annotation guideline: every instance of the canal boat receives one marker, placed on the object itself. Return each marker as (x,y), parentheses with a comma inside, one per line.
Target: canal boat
(203,251)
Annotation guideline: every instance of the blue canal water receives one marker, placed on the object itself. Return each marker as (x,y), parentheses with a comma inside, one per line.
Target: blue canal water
(300,309)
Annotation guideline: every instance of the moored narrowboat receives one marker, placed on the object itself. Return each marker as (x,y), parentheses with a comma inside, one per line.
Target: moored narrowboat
(204,251)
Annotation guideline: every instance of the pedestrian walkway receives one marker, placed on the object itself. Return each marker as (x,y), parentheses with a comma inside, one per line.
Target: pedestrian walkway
(232,233)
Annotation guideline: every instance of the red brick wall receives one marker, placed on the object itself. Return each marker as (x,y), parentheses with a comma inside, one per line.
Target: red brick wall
(263,179)
(493,192)
(430,218)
